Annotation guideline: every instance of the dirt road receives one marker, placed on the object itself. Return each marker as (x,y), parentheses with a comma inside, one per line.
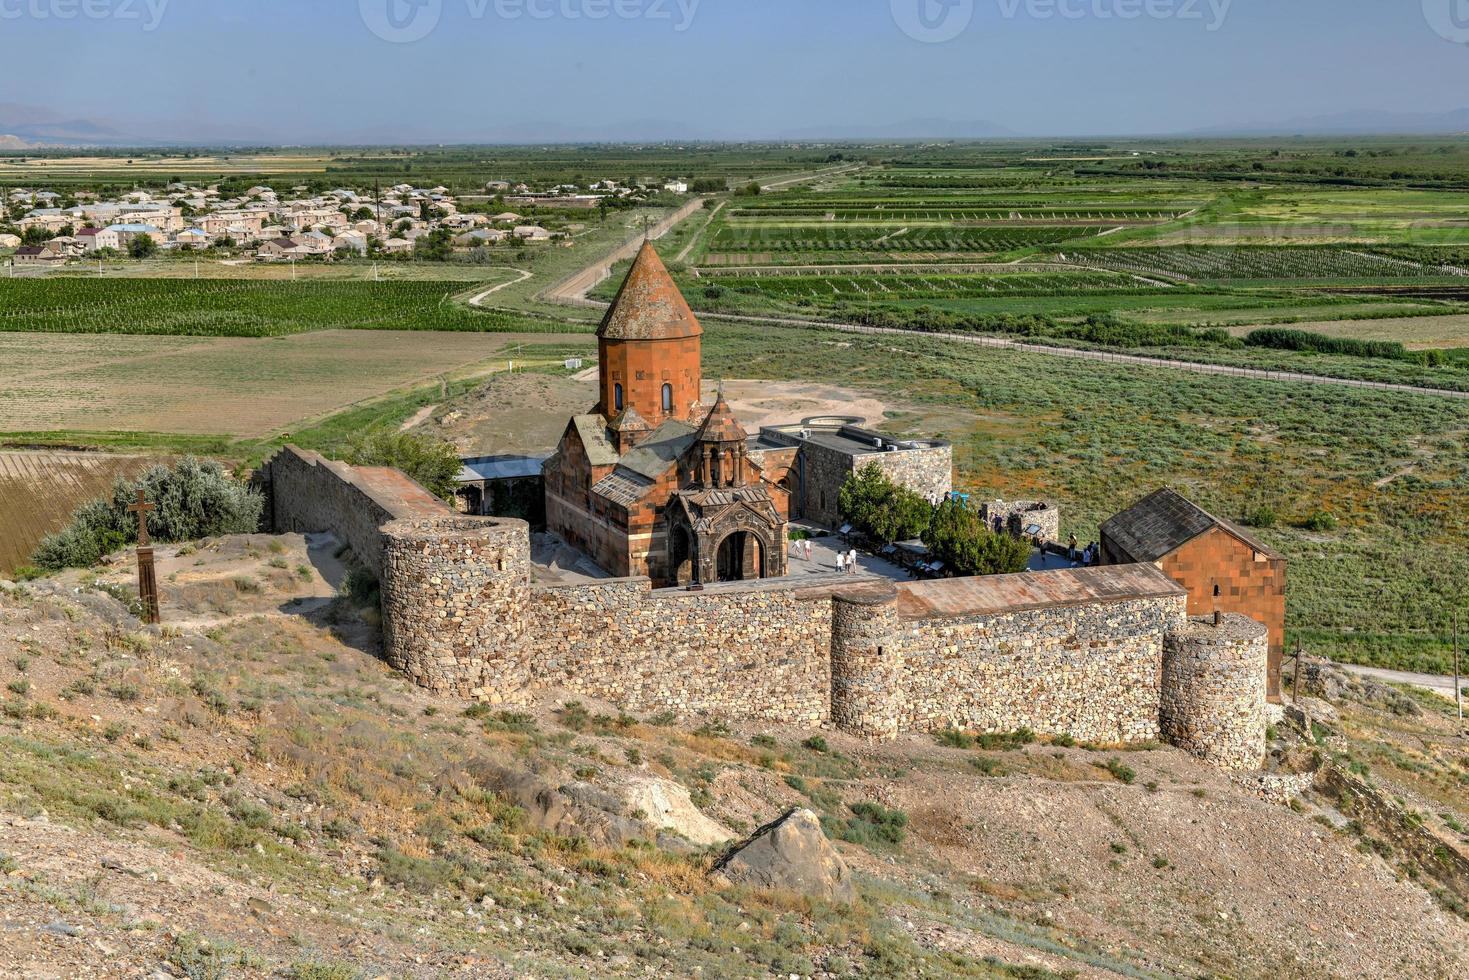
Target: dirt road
(479,298)
(1436,683)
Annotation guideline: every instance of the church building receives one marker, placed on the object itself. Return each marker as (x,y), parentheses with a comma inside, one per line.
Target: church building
(652,482)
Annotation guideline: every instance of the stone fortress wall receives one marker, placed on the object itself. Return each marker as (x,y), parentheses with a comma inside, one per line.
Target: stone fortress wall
(1099,654)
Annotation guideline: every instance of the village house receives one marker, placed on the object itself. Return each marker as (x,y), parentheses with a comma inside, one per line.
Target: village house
(481,236)
(127,234)
(40,255)
(96,239)
(9,241)
(531,233)
(192,238)
(282,250)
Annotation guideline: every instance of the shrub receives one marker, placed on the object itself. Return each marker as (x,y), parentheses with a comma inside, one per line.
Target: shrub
(815,743)
(1319,520)
(194,499)
(1120,771)
(1261,515)
(954,739)
(1281,338)
(875,823)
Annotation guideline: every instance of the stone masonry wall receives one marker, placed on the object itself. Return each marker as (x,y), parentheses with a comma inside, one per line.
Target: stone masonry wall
(1089,670)
(741,652)
(1099,654)
(929,471)
(309,493)
(455,592)
(1213,690)
(1016,515)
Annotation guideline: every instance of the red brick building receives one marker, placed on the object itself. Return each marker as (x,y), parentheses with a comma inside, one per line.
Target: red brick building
(652,482)
(1222,567)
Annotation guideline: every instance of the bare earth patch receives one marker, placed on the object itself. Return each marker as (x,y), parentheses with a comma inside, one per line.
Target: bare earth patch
(40,490)
(527,413)
(1413,332)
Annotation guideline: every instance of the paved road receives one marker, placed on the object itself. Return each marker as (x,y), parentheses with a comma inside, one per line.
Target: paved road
(572,291)
(1434,682)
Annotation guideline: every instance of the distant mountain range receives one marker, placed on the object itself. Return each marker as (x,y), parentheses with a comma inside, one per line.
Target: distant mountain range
(1362,123)
(28,127)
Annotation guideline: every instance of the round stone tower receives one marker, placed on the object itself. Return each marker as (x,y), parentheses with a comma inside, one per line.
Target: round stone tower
(648,348)
(455,593)
(866,664)
(1213,694)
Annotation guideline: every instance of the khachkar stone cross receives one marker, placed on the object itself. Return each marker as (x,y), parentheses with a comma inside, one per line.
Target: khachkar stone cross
(147,580)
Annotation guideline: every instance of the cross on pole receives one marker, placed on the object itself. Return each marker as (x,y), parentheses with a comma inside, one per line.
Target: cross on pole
(147,577)
(141,508)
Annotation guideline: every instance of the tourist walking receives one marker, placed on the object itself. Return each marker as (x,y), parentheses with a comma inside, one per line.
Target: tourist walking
(1071,548)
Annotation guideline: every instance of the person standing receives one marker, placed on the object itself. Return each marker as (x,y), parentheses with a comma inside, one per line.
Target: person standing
(1071,547)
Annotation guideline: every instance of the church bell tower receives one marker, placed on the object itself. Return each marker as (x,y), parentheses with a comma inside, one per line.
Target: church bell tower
(648,348)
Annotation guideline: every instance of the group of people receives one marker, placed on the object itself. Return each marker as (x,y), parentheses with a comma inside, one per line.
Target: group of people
(846,561)
(1085,557)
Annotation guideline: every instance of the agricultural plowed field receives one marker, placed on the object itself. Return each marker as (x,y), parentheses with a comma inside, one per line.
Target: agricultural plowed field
(235,386)
(39,491)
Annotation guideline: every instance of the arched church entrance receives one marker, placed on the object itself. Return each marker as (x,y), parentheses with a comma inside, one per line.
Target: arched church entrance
(741,557)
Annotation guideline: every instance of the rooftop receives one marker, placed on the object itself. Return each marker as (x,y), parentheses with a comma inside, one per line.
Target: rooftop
(1164,521)
(994,594)
(648,305)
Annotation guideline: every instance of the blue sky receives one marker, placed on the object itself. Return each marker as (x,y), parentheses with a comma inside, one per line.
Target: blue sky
(313,70)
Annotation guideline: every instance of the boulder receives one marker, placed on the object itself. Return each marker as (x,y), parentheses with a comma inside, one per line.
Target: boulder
(791,854)
(665,805)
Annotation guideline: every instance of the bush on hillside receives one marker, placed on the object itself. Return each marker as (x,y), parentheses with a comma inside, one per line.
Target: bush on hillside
(432,462)
(194,499)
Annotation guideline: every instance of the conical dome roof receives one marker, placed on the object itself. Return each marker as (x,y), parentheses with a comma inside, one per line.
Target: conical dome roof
(649,305)
(721,425)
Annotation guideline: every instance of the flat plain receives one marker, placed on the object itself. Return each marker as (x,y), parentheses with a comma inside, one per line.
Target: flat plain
(242,387)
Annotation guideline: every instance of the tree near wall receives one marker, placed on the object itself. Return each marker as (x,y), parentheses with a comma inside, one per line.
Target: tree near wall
(433,463)
(957,537)
(881,509)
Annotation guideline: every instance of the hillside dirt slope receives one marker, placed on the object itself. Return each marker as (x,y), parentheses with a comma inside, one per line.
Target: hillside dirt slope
(251,792)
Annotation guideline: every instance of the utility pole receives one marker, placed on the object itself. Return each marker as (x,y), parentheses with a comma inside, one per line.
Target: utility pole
(1458,688)
(1295,685)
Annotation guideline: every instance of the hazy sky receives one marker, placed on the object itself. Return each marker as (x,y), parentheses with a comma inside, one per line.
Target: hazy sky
(315,70)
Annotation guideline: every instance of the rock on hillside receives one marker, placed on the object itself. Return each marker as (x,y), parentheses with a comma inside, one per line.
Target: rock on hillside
(791,854)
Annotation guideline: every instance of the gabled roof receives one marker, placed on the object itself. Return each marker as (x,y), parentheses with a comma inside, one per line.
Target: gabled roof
(659,451)
(648,305)
(622,487)
(1164,521)
(592,430)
